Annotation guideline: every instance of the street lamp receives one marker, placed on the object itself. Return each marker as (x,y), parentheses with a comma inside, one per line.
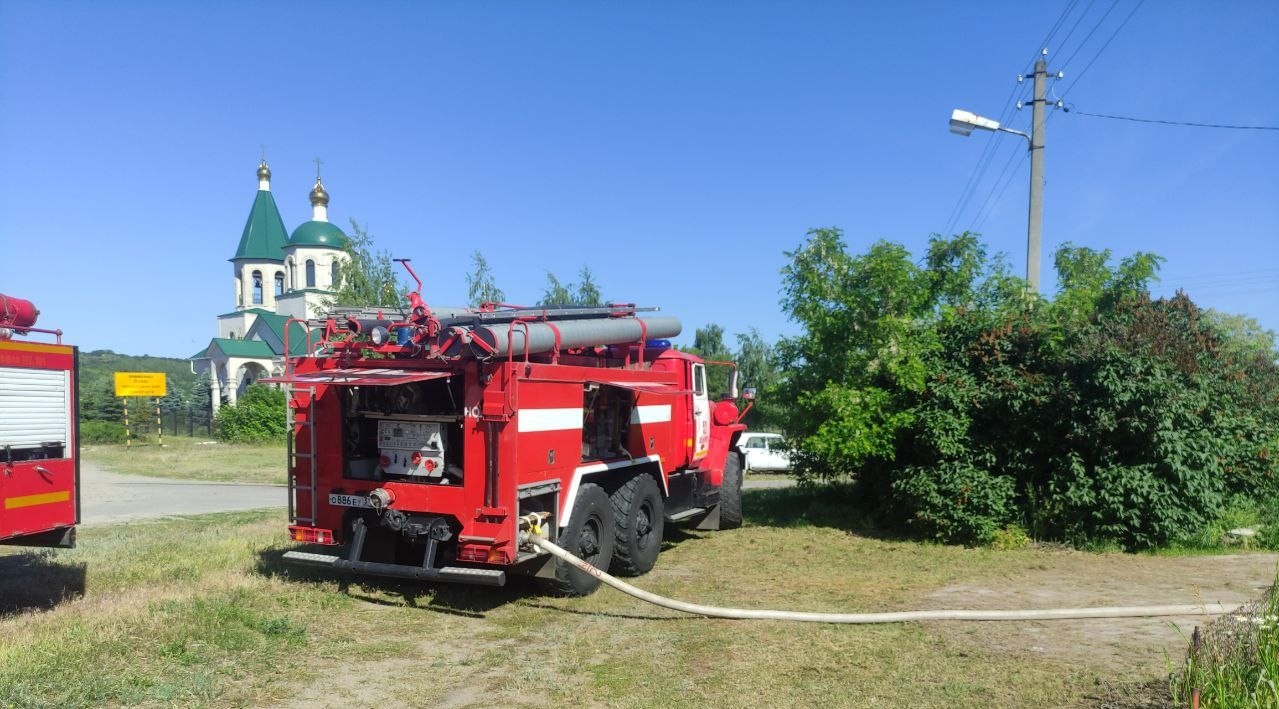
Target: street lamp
(964,123)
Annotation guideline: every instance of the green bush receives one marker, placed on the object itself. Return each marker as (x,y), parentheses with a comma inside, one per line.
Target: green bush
(954,502)
(101,432)
(258,416)
(961,406)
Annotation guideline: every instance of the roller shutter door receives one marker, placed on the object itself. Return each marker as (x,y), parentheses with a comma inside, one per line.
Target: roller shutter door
(33,407)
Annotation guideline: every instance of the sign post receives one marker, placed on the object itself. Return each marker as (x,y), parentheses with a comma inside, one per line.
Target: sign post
(152,384)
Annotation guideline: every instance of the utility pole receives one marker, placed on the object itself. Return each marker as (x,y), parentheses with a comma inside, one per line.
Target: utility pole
(965,122)
(1035,222)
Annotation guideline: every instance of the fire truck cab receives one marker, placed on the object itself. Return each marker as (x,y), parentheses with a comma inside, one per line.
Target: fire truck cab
(423,446)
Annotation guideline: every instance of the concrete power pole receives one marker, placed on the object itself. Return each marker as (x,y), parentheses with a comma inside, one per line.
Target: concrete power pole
(1035,223)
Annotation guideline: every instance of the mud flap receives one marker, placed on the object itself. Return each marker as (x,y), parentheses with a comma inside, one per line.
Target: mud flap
(63,538)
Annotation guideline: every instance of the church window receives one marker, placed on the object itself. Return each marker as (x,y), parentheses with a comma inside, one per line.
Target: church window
(310,273)
(279,283)
(336,276)
(257,287)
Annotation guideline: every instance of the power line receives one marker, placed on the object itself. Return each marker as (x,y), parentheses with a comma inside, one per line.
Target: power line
(980,219)
(992,146)
(1091,32)
(979,170)
(1048,38)
(1103,47)
(1073,27)
(1170,123)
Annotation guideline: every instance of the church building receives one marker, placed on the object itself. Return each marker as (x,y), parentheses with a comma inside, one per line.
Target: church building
(278,277)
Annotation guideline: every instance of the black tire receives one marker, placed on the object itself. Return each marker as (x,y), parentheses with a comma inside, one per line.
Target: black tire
(638,512)
(730,494)
(588,536)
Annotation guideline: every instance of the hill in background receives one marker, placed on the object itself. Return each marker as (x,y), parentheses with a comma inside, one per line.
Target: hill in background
(97,384)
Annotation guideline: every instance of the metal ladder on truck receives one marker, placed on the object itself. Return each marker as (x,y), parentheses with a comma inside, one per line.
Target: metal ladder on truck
(296,427)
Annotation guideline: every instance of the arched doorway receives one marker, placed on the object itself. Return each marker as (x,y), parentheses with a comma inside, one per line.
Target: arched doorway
(248,374)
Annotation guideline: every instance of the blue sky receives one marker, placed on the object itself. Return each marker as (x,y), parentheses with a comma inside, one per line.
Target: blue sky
(677,149)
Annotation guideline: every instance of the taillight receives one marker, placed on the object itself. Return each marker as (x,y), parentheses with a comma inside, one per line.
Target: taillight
(312,535)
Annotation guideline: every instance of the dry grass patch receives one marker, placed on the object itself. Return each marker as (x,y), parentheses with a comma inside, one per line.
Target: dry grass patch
(194,459)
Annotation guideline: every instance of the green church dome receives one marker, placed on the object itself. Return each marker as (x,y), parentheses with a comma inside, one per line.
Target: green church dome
(315,233)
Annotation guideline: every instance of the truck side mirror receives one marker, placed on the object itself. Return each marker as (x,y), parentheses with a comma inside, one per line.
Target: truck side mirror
(748,393)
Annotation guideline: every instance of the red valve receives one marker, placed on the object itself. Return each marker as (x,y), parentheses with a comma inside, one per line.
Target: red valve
(417,458)
(385,461)
(430,466)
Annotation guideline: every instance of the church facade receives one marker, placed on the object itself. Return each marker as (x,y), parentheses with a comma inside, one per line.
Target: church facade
(278,277)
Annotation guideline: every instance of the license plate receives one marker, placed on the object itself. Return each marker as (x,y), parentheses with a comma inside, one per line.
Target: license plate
(349,500)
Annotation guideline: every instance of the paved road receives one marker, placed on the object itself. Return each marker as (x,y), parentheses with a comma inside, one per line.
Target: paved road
(749,484)
(109,498)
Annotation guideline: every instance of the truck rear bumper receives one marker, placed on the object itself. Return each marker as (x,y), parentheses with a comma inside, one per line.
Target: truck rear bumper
(449,574)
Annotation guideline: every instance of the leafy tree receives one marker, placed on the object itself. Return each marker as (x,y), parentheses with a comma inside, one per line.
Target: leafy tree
(480,286)
(365,278)
(708,343)
(559,293)
(257,416)
(1242,335)
(757,367)
(587,292)
(555,293)
(848,378)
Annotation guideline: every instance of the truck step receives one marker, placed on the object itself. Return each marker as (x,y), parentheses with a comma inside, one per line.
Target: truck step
(309,559)
(451,574)
(685,514)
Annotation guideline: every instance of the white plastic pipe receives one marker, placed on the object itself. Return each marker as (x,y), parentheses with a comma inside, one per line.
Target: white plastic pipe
(867,618)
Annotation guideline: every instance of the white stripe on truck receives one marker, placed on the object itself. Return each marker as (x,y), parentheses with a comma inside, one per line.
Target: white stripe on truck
(534,420)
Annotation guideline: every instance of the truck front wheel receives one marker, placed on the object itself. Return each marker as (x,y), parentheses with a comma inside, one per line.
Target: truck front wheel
(588,536)
(730,494)
(638,510)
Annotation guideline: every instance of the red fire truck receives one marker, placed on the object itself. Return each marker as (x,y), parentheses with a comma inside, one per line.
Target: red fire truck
(39,440)
(421,443)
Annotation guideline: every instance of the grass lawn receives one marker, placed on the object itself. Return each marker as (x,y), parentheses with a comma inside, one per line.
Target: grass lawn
(193,459)
(200,612)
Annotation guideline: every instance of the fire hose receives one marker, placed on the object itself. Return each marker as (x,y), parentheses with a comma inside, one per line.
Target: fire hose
(541,542)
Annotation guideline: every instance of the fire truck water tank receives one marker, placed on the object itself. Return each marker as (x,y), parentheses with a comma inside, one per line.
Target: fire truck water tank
(17,313)
(504,338)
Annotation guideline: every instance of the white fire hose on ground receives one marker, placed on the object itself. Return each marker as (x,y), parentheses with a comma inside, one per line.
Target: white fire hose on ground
(542,543)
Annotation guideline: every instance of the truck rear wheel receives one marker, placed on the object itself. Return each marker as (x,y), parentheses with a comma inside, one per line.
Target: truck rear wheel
(638,511)
(730,494)
(588,536)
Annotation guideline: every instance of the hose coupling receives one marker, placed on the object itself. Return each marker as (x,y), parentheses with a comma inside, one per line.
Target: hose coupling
(381,498)
(531,523)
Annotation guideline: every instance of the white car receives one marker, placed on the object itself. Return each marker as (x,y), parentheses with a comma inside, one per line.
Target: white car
(764,452)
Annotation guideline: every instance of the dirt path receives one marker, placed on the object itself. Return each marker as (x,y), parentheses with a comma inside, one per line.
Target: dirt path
(1131,646)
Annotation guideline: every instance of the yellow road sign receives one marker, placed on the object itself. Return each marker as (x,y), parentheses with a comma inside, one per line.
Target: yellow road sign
(140,384)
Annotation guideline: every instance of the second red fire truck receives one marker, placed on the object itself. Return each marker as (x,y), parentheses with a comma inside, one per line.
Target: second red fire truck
(422,443)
